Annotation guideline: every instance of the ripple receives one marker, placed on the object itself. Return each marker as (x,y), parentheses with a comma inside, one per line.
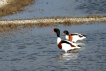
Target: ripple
(30,52)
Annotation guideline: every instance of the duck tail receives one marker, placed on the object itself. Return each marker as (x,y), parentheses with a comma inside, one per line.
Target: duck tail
(84,36)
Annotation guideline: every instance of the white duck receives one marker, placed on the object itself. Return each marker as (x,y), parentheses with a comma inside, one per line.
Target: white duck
(74,37)
(65,45)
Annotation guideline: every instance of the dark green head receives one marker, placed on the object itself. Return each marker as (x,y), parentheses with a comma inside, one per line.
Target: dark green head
(57,31)
(66,32)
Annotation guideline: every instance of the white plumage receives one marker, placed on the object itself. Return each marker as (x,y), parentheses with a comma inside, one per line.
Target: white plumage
(65,44)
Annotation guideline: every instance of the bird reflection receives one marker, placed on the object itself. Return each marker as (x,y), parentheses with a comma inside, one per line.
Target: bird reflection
(72,55)
(69,56)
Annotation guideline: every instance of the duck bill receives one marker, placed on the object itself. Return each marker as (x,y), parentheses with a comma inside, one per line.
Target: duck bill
(52,32)
(63,34)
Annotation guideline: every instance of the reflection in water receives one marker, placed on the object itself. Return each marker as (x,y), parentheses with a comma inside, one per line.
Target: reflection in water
(68,61)
(68,56)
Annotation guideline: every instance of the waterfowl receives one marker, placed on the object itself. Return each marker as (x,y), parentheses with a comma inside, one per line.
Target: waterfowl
(74,37)
(65,45)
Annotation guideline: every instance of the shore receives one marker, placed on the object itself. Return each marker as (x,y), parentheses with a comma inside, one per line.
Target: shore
(3,2)
(12,6)
(56,20)
(8,7)
(6,25)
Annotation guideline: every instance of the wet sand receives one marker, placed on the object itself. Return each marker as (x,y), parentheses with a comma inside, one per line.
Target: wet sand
(3,2)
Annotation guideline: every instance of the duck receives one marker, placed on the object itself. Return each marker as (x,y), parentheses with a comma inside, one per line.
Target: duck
(74,37)
(65,45)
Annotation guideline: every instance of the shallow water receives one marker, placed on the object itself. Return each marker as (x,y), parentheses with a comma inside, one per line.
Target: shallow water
(54,8)
(36,50)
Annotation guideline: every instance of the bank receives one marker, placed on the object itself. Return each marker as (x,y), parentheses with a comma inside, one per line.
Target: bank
(13,6)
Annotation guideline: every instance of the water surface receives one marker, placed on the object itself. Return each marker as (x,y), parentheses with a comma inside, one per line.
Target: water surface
(36,50)
(54,8)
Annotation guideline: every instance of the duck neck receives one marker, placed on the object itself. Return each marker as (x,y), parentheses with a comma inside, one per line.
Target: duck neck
(58,40)
(67,37)
(58,34)
(58,37)
(67,33)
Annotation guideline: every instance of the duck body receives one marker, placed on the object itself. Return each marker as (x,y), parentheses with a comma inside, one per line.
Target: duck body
(74,37)
(65,45)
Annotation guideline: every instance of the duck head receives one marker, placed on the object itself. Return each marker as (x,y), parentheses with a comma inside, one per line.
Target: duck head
(57,31)
(65,32)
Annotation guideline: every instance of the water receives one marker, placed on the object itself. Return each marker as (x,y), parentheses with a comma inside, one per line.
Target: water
(54,8)
(36,50)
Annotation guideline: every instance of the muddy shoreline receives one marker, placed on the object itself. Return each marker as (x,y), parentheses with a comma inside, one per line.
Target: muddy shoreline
(17,6)
(56,20)
(14,6)
(6,25)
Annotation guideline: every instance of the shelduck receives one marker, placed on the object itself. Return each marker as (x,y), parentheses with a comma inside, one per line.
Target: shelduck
(74,37)
(65,45)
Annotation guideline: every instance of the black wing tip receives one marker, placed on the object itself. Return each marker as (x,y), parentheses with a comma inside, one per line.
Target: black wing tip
(84,35)
(79,46)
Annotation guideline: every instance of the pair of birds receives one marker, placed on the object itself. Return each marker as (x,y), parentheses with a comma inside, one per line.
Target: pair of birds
(69,44)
